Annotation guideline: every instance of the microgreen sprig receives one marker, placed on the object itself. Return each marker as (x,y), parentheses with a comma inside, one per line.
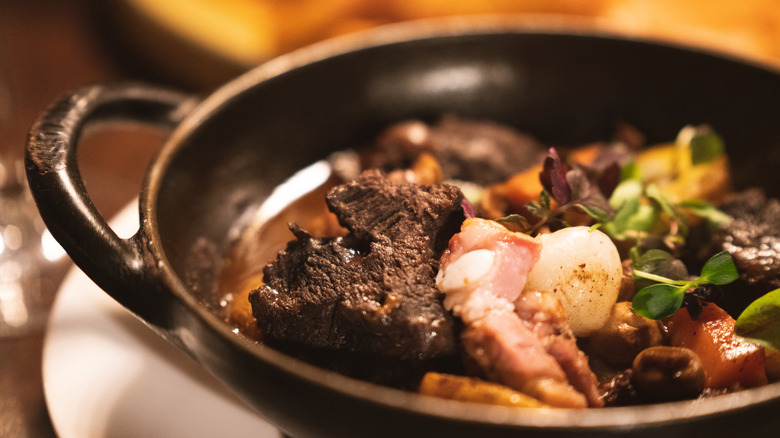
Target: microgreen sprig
(570,188)
(664,298)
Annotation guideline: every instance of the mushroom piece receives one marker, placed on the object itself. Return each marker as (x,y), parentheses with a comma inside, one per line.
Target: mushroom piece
(772,364)
(624,335)
(666,373)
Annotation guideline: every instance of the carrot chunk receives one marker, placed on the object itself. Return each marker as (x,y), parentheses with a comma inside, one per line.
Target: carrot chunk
(524,187)
(727,358)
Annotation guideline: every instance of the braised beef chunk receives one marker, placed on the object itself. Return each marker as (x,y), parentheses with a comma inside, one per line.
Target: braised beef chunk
(753,239)
(478,151)
(421,218)
(372,291)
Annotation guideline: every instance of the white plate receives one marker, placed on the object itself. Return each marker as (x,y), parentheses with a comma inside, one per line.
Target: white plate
(106,374)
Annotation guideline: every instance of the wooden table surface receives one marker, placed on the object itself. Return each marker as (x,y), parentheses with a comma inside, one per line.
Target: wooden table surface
(46,48)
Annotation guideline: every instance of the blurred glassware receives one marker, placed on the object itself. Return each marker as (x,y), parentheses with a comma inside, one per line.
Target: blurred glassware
(31,262)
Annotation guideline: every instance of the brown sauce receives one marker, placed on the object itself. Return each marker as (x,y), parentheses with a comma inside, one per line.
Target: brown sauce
(266,235)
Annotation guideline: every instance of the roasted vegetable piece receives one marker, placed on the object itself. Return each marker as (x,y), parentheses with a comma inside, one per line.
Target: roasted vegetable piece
(624,335)
(474,390)
(519,190)
(665,373)
(693,167)
(727,359)
(772,365)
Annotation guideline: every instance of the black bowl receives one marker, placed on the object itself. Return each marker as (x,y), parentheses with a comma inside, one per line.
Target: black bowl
(227,152)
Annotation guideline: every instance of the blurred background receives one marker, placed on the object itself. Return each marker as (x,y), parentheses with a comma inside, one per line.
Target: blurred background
(50,46)
(180,37)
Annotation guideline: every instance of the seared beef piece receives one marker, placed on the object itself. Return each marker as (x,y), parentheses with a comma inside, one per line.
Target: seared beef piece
(405,216)
(482,152)
(371,292)
(753,239)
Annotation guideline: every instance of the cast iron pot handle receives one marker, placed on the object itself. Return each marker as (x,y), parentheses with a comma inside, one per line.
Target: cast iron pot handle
(116,265)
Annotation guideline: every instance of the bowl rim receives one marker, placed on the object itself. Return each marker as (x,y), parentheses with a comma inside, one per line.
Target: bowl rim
(613,417)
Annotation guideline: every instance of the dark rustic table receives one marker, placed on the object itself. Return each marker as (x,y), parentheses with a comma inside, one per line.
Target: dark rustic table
(46,48)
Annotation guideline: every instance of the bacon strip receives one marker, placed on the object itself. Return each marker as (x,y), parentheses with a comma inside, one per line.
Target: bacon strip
(519,339)
(545,316)
(507,352)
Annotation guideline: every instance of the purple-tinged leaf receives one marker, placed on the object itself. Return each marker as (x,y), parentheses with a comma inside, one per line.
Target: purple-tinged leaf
(468,208)
(553,177)
(578,183)
(587,197)
(609,179)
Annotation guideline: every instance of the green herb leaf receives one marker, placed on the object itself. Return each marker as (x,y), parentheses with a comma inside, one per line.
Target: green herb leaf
(759,323)
(650,259)
(595,211)
(643,219)
(659,300)
(660,262)
(628,190)
(706,146)
(544,200)
(707,211)
(629,171)
(536,209)
(719,269)
(632,214)
(619,224)
(653,192)
(514,222)
(594,227)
